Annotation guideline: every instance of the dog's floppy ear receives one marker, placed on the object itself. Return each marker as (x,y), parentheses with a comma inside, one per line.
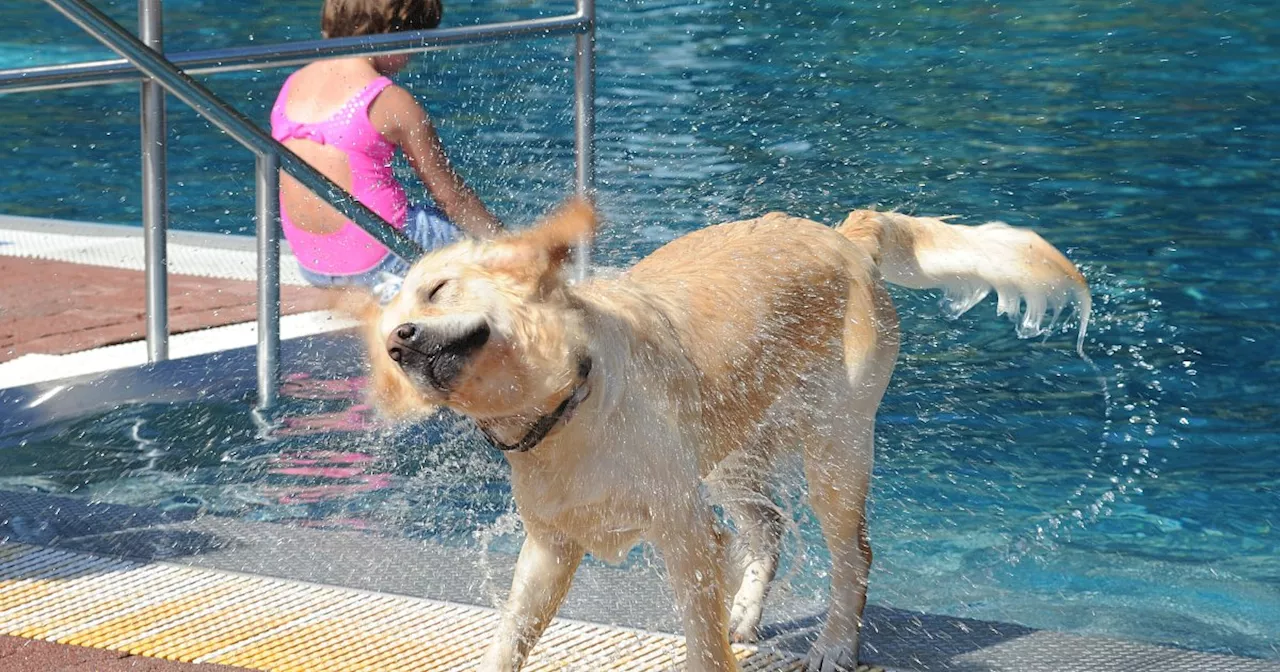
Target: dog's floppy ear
(569,225)
(542,249)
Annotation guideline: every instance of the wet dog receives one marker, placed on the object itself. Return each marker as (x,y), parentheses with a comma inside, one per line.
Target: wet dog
(616,399)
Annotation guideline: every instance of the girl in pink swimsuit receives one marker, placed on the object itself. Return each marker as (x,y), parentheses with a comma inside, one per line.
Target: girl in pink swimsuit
(346,118)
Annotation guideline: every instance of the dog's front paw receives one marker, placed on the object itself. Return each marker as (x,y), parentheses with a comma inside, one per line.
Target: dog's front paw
(499,658)
(838,658)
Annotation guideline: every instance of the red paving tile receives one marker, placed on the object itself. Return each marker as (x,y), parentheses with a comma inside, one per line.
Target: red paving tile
(56,307)
(30,655)
(37,656)
(144,664)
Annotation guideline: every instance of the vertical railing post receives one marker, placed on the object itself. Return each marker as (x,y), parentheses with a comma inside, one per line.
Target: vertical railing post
(584,115)
(268,212)
(155,209)
(584,112)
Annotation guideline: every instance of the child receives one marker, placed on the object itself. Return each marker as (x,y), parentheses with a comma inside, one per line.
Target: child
(346,118)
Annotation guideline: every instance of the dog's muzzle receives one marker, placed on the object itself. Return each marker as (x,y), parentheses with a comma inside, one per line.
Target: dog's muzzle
(435,354)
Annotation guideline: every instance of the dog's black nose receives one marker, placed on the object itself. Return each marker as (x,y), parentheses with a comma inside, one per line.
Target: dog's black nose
(437,354)
(401,339)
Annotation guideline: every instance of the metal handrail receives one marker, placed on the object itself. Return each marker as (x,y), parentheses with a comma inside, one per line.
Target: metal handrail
(273,156)
(116,71)
(155,194)
(230,120)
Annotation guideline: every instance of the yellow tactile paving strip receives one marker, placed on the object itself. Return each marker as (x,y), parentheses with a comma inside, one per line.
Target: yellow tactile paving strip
(208,616)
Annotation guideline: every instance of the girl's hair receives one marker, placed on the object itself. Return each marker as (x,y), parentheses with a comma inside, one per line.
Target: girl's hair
(350,18)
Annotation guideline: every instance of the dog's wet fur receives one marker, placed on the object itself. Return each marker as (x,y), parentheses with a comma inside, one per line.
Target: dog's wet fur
(718,352)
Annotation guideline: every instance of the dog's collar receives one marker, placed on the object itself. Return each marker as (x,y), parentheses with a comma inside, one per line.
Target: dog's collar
(546,423)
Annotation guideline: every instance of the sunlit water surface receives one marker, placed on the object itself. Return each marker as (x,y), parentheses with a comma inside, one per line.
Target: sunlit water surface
(1139,137)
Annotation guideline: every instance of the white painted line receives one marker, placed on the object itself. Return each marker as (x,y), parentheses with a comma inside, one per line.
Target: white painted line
(38,368)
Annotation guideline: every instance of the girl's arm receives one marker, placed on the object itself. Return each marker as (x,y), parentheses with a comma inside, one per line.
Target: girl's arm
(399,116)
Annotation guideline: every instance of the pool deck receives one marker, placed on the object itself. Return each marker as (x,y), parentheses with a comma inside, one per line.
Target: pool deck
(57,307)
(71,287)
(197,615)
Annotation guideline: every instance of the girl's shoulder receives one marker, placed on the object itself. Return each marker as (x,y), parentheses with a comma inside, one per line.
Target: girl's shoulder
(395,108)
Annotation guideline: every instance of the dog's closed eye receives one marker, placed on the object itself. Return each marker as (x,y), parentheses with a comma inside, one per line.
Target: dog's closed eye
(430,293)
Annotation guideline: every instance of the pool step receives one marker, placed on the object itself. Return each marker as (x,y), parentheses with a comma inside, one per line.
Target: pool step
(211,616)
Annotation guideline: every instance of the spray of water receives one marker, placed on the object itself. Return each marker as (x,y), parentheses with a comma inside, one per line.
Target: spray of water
(1141,358)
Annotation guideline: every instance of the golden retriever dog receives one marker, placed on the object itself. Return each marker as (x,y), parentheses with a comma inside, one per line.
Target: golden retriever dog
(617,399)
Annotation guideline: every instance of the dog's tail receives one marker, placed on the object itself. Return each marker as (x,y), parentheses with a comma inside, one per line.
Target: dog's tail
(1030,276)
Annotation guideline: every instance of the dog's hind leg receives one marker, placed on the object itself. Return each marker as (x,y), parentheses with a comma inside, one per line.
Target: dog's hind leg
(738,484)
(838,456)
(760,527)
(838,470)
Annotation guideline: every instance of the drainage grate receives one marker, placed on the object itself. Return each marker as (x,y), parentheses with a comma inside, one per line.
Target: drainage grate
(210,616)
(126,252)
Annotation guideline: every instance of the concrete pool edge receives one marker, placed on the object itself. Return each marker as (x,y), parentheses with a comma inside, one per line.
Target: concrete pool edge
(41,368)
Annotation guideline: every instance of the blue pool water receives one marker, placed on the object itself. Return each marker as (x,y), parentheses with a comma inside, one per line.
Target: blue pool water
(1142,138)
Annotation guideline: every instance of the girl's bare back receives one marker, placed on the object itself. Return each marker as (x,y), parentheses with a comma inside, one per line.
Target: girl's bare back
(316,93)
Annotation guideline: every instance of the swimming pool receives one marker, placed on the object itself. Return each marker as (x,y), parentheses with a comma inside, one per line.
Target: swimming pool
(1141,139)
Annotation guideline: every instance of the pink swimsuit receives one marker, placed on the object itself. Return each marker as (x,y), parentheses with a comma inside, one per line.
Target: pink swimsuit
(349,250)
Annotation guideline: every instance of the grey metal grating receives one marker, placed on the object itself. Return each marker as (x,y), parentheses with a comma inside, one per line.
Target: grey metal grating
(636,597)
